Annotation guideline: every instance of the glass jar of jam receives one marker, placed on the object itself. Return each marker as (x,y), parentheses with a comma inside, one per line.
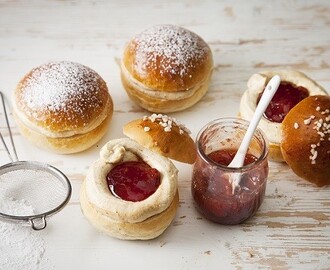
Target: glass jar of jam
(215,195)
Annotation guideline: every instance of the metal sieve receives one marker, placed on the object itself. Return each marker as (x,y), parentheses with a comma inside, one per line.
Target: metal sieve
(42,188)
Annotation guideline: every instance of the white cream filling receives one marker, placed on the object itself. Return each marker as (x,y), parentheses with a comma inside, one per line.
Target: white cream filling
(183,94)
(121,150)
(63,134)
(257,83)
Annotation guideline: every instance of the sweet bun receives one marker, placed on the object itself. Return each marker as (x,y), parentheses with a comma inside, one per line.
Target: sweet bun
(291,80)
(62,106)
(120,218)
(166,68)
(306,139)
(163,135)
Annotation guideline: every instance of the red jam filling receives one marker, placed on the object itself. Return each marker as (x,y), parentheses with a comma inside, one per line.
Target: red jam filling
(224,157)
(213,194)
(285,98)
(133,180)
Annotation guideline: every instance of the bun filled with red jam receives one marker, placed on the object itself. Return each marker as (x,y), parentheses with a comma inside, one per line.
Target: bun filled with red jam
(295,87)
(131,191)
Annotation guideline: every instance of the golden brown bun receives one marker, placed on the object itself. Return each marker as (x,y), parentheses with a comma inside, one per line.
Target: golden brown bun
(306,139)
(255,85)
(163,105)
(166,68)
(64,145)
(144,230)
(175,144)
(62,106)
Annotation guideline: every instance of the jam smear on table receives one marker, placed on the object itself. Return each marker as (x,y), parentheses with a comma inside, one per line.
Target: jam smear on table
(285,98)
(133,180)
(213,193)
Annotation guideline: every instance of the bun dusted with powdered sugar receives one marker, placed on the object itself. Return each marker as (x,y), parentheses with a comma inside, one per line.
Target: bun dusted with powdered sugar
(62,106)
(166,68)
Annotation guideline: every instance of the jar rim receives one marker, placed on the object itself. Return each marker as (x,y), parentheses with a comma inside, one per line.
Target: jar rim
(258,133)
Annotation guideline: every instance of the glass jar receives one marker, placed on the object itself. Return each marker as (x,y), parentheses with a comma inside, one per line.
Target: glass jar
(212,183)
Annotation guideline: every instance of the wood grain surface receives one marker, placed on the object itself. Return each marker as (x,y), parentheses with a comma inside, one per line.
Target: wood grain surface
(291,230)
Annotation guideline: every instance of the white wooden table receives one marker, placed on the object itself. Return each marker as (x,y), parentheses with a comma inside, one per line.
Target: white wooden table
(292,228)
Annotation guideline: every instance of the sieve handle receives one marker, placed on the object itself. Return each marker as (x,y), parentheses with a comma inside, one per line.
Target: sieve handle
(14,157)
(38,223)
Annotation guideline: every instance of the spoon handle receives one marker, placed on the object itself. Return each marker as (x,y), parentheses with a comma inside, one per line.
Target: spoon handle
(266,97)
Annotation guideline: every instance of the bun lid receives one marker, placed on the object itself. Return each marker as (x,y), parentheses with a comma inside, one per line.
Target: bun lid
(164,135)
(306,139)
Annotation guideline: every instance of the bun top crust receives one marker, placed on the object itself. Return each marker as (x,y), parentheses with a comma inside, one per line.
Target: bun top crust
(168,58)
(62,96)
(306,139)
(163,135)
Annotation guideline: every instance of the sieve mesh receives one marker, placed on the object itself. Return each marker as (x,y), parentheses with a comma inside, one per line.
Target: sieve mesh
(41,187)
(36,185)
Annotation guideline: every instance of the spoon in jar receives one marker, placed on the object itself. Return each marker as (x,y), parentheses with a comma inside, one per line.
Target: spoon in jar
(239,157)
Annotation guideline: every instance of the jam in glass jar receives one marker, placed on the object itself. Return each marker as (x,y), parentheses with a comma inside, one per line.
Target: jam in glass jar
(212,187)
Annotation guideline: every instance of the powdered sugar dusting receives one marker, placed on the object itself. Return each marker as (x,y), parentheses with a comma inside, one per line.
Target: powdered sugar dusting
(61,87)
(21,247)
(178,49)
